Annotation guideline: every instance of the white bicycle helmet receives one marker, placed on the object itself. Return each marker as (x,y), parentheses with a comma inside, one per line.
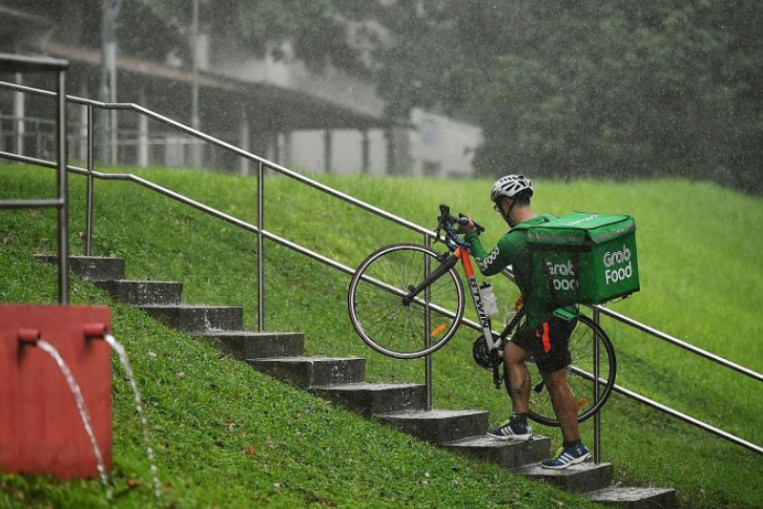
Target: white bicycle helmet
(509,186)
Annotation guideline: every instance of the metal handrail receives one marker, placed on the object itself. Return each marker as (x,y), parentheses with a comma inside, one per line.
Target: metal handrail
(428,235)
(677,342)
(20,63)
(688,419)
(232,148)
(635,324)
(667,410)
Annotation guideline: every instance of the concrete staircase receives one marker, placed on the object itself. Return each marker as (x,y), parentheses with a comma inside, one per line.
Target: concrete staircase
(341,380)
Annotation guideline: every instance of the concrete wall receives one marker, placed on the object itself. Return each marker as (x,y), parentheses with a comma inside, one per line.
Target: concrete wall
(347,156)
(437,146)
(441,146)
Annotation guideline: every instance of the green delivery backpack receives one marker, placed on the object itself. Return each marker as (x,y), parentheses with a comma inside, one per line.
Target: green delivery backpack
(583,258)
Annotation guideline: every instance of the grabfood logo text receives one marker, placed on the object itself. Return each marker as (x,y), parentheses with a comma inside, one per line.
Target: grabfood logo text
(614,263)
(562,269)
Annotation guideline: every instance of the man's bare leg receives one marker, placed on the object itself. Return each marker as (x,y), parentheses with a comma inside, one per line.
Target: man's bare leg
(565,408)
(564,403)
(519,377)
(519,390)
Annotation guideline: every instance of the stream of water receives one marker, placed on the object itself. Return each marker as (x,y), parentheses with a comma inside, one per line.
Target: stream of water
(51,350)
(117,347)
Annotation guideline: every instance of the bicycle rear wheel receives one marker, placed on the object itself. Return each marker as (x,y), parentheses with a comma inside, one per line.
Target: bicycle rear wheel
(584,340)
(387,322)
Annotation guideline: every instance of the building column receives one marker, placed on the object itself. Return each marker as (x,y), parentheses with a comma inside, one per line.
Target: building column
(276,147)
(111,58)
(365,146)
(287,146)
(166,141)
(142,132)
(328,148)
(19,128)
(114,128)
(389,135)
(82,145)
(2,141)
(108,85)
(196,156)
(245,143)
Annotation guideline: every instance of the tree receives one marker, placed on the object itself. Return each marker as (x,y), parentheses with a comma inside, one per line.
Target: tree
(579,87)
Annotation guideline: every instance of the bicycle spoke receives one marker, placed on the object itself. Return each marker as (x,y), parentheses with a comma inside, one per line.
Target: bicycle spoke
(382,316)
(579,375)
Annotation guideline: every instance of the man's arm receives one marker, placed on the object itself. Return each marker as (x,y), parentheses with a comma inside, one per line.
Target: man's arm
(496,260)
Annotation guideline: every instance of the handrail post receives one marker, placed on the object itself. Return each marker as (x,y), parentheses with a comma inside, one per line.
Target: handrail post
(63,193)
(596,394)
(90,183)
(260,246)
(427,328)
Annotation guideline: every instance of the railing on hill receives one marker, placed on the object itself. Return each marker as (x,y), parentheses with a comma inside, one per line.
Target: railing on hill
(262,234)
(17,63)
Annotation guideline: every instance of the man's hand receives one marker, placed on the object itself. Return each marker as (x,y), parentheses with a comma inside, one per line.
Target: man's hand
(466,227)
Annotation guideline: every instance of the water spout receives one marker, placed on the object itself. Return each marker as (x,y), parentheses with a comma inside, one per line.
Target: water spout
(117,347)
(74,388)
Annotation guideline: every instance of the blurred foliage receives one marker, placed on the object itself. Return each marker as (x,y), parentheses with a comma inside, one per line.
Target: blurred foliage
(141,30)
(561,87)
(572,88)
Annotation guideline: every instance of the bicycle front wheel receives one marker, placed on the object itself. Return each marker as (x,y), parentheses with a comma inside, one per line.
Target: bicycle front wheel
(393,325)
(586,342)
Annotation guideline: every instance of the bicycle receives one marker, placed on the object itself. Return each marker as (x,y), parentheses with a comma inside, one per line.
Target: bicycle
(396,290)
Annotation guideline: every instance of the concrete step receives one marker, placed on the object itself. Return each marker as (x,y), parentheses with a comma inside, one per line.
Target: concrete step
(94,268)
(369,399)
(510,453)
(139,293)
(578,478)
(257,345)
(338,380)
(191,318)
(635,498)
(438,426)
(313,371)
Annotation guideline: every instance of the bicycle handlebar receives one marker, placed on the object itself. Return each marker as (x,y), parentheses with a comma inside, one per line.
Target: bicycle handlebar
(461,219)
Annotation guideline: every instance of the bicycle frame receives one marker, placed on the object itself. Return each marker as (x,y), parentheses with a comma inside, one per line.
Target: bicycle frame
(465,256)
(460,253)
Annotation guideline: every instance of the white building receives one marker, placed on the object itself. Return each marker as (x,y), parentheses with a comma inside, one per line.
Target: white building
(319,122)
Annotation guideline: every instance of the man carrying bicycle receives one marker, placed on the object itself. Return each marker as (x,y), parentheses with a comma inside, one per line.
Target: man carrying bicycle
(543,336)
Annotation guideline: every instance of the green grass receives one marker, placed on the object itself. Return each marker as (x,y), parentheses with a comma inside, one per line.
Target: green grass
(699,246)
(227,436)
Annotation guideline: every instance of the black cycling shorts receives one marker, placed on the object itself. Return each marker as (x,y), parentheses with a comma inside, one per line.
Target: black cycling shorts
(548,344)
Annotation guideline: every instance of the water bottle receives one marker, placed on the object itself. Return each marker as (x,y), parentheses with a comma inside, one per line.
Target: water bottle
(488,299)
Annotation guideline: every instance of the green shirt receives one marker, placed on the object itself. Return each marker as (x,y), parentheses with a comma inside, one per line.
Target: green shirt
(512,249)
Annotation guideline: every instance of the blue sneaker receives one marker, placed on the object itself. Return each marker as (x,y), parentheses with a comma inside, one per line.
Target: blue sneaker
(568,457)
(511,429)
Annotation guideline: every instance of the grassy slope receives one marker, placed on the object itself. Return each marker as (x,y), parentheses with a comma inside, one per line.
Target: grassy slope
(227,436)
(698,246)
